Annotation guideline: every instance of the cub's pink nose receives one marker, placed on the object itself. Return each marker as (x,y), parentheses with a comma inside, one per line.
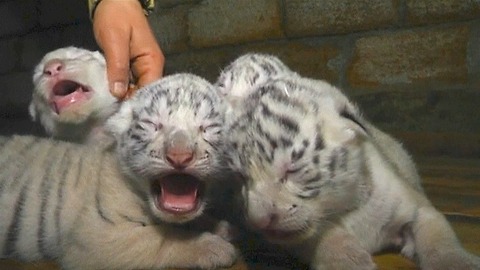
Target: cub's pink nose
(181,159)
(53,67)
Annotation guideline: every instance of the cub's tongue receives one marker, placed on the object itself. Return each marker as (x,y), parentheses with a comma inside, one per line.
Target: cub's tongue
(60,103)
(178,193)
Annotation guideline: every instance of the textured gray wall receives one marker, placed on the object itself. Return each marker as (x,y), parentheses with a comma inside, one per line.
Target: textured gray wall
(412,65)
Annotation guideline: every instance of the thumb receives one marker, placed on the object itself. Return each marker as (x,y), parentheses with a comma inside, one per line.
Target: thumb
(115,43)
(117,58)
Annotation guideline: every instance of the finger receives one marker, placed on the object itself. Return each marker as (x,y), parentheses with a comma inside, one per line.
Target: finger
(116,52)
(147,57)
(113,39)
(148,67)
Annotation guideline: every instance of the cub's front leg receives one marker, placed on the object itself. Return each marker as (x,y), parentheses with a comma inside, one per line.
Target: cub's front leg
(134,246)
(339,250)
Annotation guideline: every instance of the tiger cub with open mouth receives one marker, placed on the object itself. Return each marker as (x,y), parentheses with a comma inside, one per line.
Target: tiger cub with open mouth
(70,98)
(135,207)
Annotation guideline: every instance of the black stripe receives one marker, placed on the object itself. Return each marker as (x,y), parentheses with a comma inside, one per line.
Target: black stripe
(316,159)
(319,143)
(15,228)
(343,159)
(46,187)
(80,170)
(285,142)
(310,181)
(130,219)
(262,150)
(100,211)
(254,79)
(286,122)
(332,164)
(98,194)
(44,194)
(66,166)
(296,155)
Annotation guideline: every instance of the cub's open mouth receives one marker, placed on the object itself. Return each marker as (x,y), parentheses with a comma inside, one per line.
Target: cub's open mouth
(66,93)
(178,193)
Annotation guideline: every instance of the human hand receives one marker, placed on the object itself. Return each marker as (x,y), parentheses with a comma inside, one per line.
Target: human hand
(123,33)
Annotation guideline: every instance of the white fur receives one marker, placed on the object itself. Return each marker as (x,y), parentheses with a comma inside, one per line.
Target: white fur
(366,196)
(73,204)
(83,121)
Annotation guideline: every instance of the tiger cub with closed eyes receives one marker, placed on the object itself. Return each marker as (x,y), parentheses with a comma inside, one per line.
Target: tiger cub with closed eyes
(137,207)
(317,183)
(170,135)
(245,74)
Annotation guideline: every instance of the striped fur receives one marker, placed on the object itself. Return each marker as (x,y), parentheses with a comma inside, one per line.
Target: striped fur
(169,130)
(320,180)
(250,71)
(70,98)
(93,208)
(244,74)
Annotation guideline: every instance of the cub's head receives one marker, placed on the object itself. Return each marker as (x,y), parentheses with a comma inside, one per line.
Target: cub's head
(246,73)
(169,137)
(300,160)
(70,88)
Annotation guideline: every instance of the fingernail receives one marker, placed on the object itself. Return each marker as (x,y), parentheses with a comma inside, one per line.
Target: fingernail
(119,89)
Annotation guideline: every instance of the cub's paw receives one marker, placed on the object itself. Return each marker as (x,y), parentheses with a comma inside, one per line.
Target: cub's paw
(226,230)
(214,252)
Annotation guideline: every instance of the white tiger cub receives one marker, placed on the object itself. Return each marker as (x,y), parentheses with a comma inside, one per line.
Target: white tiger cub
(171,133)
(79,205)
(73,204)
(318,184)
(246,73)
(71,97)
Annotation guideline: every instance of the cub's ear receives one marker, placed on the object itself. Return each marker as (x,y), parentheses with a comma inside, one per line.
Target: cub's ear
(99,56)
(340,130)
(119,122)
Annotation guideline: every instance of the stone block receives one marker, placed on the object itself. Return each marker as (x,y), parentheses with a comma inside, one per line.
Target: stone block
(322,17)
(423,111)
(79,35)
(10,54)
(441,11)
(59,12)
(215,23)
(436,56)
(18,17)
(308,59)
(206,63)
(159,5)
(474,55)
(171,29)
(35,46)
(16,94)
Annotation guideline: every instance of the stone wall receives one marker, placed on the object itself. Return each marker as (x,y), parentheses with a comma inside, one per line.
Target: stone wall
(412,65)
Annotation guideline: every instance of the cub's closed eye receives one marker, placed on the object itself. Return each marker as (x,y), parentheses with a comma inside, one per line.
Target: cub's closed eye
(293,170)
(205,128)
(150,124)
